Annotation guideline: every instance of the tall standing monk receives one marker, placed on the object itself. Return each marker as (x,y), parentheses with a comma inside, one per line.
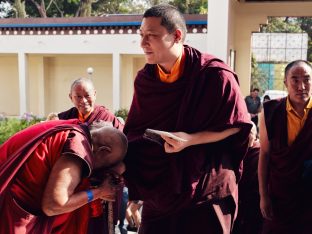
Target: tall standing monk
(46,173)
(285,163)
(83,96)
(187,185)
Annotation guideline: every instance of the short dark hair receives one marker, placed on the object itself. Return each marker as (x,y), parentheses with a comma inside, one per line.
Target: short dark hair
(266,97)
(255,89)
(171,18)
(295,63)
(80,81)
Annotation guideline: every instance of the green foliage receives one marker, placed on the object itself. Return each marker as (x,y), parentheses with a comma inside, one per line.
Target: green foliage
(259,78)
(191,6)
(10,126)
(306,25)
(74,8)
(123,113)
(282,24)
(291,25)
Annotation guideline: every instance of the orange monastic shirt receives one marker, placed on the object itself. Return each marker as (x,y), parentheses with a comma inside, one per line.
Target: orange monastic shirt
(175,72)
(294,121)
(83,118)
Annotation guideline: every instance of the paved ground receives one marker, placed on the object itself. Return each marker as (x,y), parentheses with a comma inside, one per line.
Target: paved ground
(117,231)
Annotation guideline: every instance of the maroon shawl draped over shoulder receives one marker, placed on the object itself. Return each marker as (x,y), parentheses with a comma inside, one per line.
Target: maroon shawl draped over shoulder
(17,150)
(206,97)
(99,113)
(291,203)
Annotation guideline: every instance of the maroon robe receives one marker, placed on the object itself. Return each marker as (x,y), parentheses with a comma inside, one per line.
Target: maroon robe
(99,113)
(291,198)
(205,97)
(249,219)
(26,161)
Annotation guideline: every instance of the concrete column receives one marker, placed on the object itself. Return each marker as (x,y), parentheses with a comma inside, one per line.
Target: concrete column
(218,28)
(116,81)
(245,25)
(22,78)
(41,91)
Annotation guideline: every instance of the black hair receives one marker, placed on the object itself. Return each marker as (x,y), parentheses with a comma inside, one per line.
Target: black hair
(171,18)
(294,63)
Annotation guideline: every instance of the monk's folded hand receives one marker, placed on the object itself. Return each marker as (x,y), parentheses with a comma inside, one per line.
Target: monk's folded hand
(109,187)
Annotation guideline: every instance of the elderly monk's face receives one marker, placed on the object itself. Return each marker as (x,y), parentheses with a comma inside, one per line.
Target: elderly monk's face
(83,96)
(159,46)
(298,82)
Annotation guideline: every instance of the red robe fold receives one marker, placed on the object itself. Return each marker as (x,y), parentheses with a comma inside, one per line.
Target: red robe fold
(26,161)
(206,97)
(291,197)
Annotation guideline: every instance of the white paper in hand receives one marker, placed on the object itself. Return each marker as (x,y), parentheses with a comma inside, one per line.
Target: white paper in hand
(167,134)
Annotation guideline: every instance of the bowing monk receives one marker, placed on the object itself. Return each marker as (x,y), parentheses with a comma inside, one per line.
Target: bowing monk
(284,168)
(83,96)
(187,185)
(46,173)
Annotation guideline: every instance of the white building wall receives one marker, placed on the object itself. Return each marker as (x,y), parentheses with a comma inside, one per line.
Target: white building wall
(63,58)
(218,30)
(84,44)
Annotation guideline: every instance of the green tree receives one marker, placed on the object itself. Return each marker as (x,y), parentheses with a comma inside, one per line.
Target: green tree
(86,8)
(282,24)
(19,8)
(306,25)
(291,25)
(113,7)
(259,79)
(191,6)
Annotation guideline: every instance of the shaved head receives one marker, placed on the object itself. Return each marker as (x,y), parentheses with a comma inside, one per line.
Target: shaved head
(109,145)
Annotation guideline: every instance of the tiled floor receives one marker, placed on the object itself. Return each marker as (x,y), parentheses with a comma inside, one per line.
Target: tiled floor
(124,231)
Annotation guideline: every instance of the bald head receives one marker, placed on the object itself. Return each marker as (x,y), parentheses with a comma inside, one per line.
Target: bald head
(109,145)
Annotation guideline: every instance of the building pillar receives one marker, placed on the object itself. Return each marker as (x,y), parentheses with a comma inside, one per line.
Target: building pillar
(116,81)
(41,91)
(218,28)
(22,78)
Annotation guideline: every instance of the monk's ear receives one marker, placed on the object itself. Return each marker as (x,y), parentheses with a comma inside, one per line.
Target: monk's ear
(178,36)
(285,82)
(70,96)
(106,148)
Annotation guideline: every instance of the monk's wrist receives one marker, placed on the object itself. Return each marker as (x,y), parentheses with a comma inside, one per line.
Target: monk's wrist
(90,195)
